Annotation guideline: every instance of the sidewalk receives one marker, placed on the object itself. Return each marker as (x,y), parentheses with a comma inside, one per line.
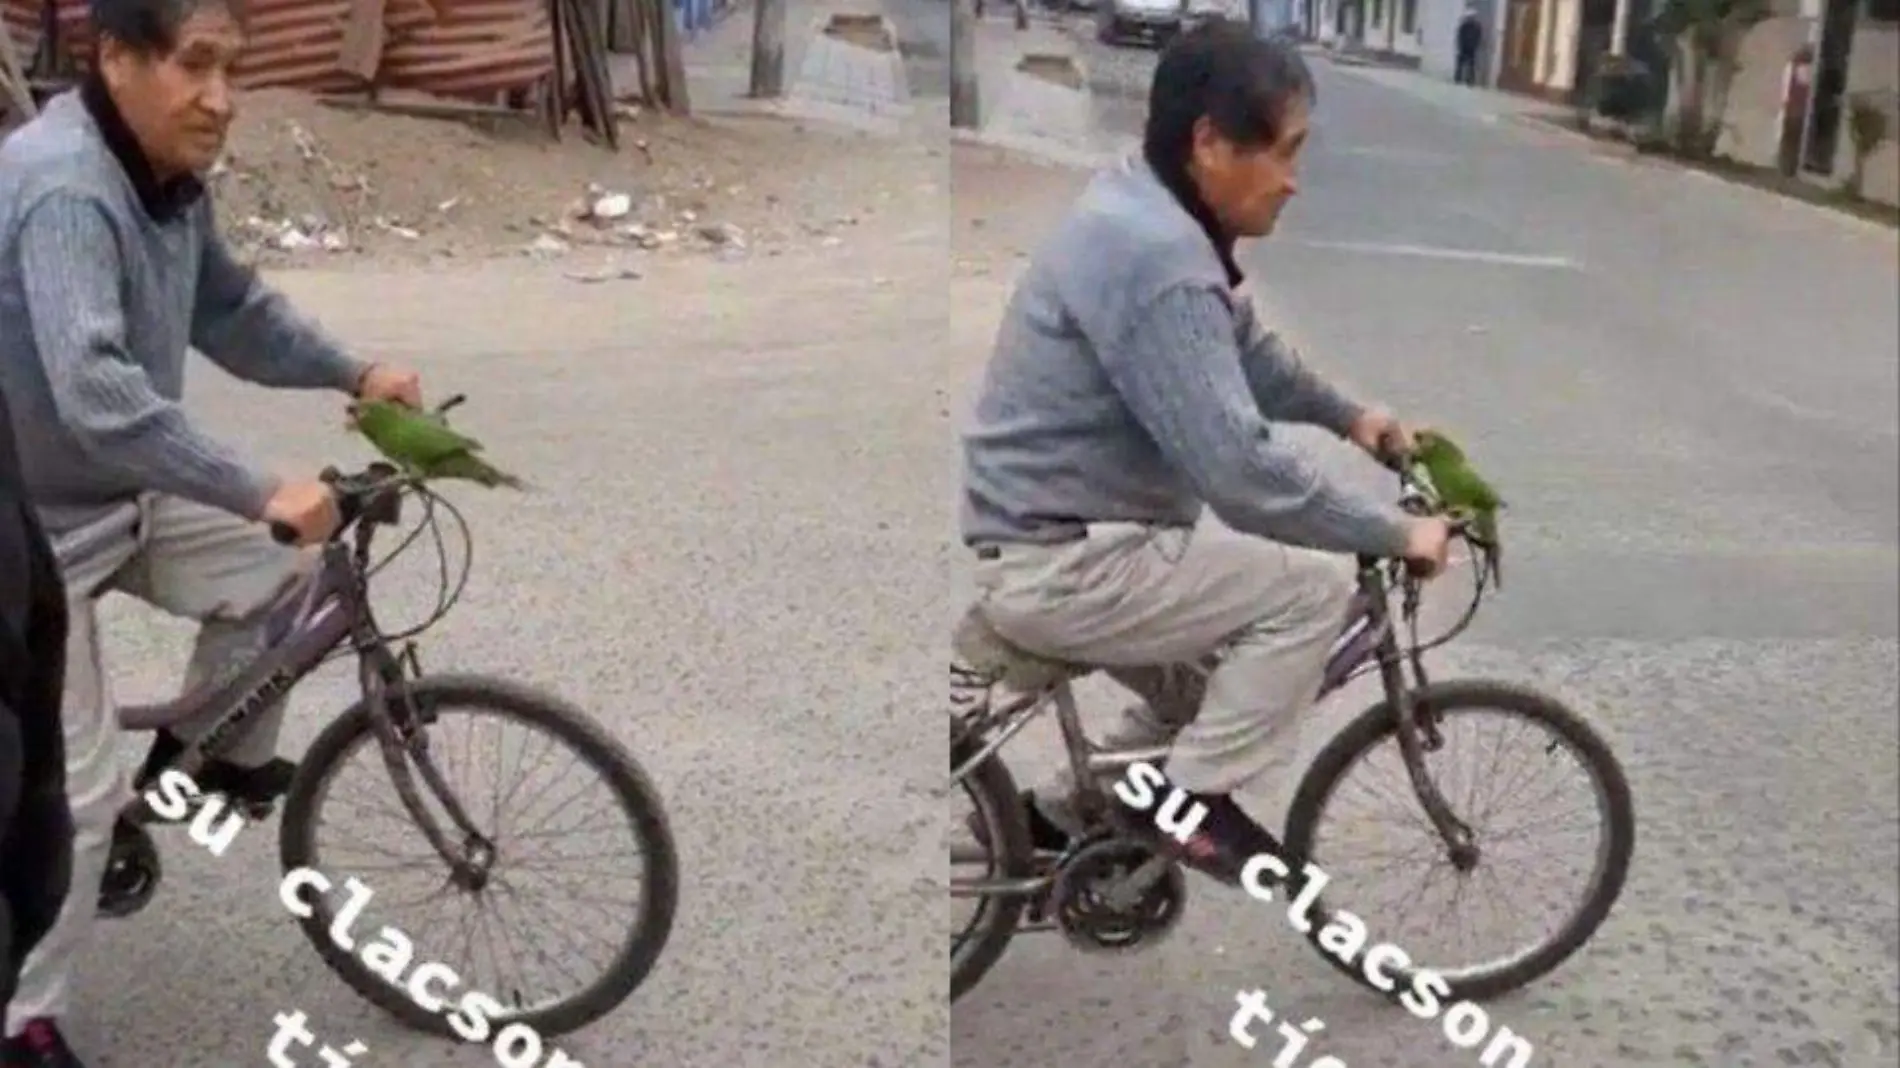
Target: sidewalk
(1033,110)
(1485,105)
(827,78)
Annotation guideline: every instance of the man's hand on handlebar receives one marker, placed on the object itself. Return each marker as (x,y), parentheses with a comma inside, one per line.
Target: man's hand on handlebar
(1428,546)
(304,512)
(1382,436)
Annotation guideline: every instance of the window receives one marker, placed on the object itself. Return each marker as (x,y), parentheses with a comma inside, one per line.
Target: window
(1408,16)
(1378,12)
(1881,10)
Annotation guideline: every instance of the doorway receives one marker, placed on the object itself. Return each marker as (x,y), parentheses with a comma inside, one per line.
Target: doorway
(1517,66)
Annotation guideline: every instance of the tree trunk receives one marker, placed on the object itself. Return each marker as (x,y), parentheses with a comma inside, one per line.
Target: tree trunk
(964,104)
(768,49)
(672,62)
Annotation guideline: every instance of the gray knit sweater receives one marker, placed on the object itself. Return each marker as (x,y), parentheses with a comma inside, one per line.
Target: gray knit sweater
(1130,383)
(100,298)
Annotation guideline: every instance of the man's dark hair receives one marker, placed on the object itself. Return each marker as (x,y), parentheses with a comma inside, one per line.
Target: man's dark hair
(1219,70)
(1242,84)
(150,27)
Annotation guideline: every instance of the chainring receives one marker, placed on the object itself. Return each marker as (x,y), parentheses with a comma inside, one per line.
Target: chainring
(1081,900)
(132,874)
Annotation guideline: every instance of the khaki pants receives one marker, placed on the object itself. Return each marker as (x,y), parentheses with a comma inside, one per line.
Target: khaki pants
(193,562)
(1137,600)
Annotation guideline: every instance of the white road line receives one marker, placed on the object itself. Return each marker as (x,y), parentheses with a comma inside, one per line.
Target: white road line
(1426,252)
(1413,155)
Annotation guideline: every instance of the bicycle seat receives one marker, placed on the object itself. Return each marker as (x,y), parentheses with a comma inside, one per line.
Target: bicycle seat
(979,647)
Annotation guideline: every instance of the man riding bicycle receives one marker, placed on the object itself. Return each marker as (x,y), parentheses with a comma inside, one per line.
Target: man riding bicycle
(110,268)
(1131,387)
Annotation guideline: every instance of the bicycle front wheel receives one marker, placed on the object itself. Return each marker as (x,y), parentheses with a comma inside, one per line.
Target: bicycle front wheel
(1564,750)
(344,774)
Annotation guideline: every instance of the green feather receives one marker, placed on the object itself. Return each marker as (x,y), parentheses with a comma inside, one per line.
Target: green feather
(1462,490)
(424,445)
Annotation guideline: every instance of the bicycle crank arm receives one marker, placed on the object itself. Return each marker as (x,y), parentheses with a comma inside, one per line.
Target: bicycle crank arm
(966,888)
(1127,892)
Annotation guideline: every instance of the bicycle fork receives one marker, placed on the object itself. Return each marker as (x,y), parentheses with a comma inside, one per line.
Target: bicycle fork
(404,741)
(1418,735)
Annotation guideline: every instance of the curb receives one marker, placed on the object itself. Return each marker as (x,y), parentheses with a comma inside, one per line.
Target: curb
(1613,150)
(1628,156)
(807,109)
(1047,151)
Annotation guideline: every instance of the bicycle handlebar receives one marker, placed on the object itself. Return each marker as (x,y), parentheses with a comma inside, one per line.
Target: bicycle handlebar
(369,494)
(1415,500)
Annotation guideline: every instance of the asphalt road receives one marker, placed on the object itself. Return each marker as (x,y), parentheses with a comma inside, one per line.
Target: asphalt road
(1687,395)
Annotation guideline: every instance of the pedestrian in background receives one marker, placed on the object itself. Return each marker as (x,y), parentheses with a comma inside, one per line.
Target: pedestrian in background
(1470,39)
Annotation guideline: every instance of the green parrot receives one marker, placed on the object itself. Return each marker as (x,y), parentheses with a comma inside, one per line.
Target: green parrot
(1461,489)
(422,444)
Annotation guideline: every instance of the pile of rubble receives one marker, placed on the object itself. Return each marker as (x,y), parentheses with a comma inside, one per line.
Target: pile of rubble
(597,218)
(600,217)
(301,183)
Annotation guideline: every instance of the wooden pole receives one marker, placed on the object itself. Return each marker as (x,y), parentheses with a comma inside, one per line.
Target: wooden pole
(672,60)
(964,104)
(768,49)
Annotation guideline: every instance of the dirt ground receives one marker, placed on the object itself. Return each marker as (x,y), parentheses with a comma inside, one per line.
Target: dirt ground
(305,183)
(1004,202)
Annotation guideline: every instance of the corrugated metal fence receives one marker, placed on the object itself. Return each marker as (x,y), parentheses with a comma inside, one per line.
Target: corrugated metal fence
(476,48)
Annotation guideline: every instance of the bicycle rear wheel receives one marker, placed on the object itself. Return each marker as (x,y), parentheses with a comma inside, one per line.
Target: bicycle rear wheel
(517,866)
(1012,856)
(1452,701)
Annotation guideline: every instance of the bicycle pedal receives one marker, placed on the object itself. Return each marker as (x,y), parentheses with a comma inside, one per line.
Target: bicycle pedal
(252,810)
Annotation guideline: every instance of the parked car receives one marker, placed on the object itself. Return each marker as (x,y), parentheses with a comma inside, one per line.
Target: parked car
(1152,22)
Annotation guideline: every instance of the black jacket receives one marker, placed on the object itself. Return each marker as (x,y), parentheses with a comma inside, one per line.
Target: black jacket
(36,832)
(1470,34)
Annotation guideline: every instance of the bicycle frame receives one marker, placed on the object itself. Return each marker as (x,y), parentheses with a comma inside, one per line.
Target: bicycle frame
(303,627)
(1368,636)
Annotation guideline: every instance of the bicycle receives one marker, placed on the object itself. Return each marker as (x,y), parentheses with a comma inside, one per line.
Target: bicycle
(328,615)
(1111,892)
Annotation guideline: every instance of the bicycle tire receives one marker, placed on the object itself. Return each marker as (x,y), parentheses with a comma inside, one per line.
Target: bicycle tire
(638,798)
(1379,723)
(1012,856)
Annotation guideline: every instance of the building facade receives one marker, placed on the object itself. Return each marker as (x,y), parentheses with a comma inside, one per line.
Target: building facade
(1855,45)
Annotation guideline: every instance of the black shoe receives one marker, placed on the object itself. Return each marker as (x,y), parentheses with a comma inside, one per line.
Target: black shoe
(1220,848)
(40,1045)
(1045,834)
(255,787)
